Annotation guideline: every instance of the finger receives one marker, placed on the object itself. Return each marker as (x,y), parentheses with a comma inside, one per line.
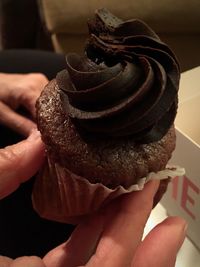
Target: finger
(124,228)
(29,100)
(161,245)
(15,121)
(79,248)
(31,261)
(83,240)
(20,162)
(36,82)
(5,261)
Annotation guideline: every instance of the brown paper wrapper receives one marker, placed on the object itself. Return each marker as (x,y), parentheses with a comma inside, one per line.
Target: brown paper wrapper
(62,196)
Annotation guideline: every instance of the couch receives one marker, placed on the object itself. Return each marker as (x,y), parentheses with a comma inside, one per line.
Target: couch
(176,22)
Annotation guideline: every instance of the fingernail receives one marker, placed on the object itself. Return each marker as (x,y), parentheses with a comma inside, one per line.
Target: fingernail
(154,184)
(180,226)
(185,227)
(35,134)
(183,233)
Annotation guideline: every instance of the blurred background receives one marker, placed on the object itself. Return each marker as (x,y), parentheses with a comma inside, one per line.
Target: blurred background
(60,25)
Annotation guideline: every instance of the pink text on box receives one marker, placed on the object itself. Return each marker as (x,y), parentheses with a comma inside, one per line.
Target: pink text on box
(188,192)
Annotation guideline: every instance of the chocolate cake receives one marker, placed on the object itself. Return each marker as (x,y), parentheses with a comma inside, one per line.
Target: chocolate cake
(107,119)
(111,161)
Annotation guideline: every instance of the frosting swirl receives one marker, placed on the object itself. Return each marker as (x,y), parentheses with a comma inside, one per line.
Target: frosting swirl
(127,83)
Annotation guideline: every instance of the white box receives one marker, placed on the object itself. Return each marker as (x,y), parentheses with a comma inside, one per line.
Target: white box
(183,194)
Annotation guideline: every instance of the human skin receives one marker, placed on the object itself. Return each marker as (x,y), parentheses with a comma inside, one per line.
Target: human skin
(112,237)
(19,90)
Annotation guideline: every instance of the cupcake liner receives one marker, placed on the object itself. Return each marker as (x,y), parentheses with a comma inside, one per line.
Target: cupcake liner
(63,196)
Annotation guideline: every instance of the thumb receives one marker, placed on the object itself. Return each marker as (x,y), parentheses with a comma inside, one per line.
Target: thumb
(162,244)
(19,162)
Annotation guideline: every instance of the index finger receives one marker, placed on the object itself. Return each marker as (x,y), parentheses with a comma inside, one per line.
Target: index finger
(114,234)
(124,228)
(5,261)
(15,121)
(20,162)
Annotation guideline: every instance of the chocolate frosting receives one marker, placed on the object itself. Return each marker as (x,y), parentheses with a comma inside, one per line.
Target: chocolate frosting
(125,85)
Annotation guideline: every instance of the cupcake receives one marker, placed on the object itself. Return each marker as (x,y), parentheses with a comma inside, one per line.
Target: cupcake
(107,120)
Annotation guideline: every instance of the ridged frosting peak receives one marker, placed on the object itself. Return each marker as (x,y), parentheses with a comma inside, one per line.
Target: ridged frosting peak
(125,85)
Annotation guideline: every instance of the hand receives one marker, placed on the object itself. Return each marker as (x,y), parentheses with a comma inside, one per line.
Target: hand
(112,238)
(19,90)
(19,162)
